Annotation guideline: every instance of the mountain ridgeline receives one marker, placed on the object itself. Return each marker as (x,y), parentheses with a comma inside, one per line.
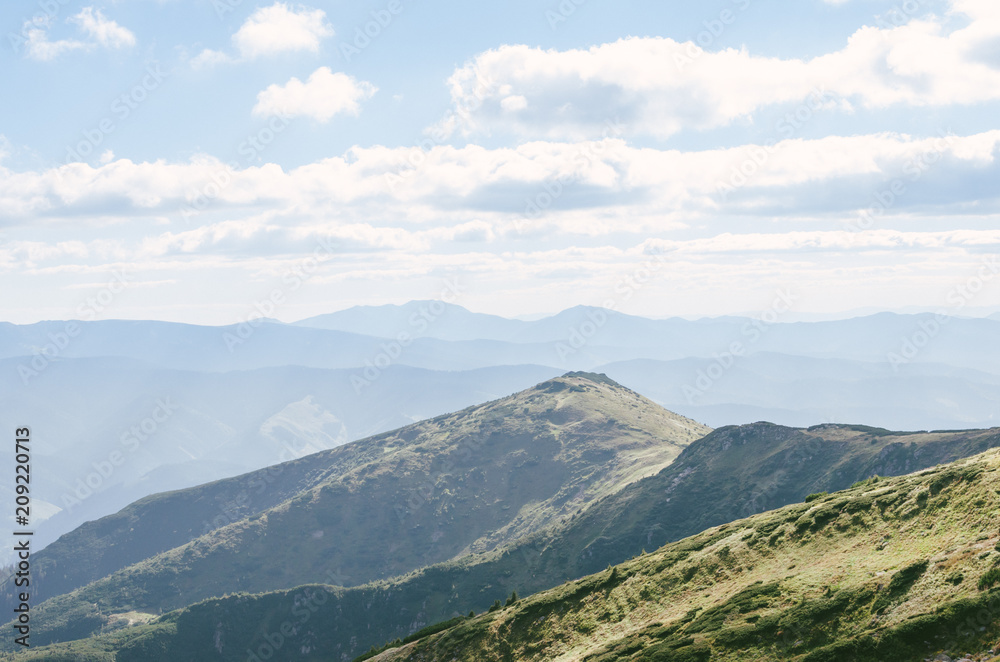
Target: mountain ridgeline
(901,569)
(430,492)
(589,476)
(242,398)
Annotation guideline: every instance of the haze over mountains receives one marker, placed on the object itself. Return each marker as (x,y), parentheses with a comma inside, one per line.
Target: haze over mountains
(549,484)
(98,458)
(276,391)
(384,506)
(455,339)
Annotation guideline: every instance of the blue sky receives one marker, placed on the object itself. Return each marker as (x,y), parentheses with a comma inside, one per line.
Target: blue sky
(222,152)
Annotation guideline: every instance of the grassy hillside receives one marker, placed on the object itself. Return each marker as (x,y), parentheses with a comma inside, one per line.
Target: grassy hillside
(163,521)
(722,477)
(895,569)
(738,471)
(429,492)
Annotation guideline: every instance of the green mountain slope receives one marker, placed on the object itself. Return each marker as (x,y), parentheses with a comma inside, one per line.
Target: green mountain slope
(722,477)
(161,522)
(433,491)
(896,569)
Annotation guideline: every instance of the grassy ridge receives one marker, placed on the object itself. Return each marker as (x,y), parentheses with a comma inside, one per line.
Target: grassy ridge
(715,480)
(466,482)
(887,570)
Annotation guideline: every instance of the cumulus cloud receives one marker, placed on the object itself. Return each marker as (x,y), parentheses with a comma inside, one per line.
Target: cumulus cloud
(591,187)
(105,32)
(658,86)
(98,30)
(322,96)
(279,28)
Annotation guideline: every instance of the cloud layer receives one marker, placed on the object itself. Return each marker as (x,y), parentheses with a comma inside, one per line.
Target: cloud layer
(554,173)
(680,85)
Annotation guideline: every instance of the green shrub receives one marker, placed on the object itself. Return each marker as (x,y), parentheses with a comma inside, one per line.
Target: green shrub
(989,578)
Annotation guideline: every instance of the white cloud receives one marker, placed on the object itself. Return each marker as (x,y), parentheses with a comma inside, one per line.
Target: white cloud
(322,96)
(829,241)
(98,30)
(514,103)
(588,188)
(105,32)
(208,58)
(38,46)
(280,28)
(658,86)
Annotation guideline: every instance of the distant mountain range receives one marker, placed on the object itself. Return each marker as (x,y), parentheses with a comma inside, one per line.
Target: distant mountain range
(577,339)
(275,391)
(520,494)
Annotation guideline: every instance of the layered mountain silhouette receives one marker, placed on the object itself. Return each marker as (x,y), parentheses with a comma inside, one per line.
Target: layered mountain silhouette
(410,528)
(466,482)
(278,391)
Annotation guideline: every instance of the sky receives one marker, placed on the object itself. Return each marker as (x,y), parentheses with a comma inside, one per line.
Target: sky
(209,161)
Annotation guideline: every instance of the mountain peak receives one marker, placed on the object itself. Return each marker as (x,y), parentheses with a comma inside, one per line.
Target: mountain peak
(468,482)
(577,381)
(596,377)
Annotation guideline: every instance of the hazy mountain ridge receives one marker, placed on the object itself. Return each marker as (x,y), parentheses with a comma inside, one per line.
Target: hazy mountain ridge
(231,423)
(580,338)
(802,391)
(793,374)
(889,570)
(467,481)
(729,474)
